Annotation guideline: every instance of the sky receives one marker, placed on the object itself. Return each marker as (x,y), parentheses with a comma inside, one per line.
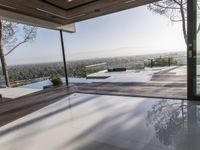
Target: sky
(135,31)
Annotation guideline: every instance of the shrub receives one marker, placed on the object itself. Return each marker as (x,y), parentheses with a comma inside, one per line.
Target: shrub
(56,80)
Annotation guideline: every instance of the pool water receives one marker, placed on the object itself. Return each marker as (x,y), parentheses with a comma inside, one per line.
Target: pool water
(37,85)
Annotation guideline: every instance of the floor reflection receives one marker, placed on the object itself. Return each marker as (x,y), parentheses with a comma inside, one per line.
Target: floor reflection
(176,123)
(100,122)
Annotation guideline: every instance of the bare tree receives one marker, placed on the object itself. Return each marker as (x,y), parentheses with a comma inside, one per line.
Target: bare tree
(175,10)
(12,36)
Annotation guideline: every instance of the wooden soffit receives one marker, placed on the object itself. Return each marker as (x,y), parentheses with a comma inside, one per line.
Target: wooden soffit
(62,14)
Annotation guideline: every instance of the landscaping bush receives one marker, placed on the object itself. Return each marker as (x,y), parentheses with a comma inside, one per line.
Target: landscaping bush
(56,80)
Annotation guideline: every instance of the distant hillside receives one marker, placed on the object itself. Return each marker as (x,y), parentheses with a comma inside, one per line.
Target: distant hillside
(131,61)
(33,72)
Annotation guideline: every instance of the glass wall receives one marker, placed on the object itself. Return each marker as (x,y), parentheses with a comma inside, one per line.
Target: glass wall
(32,64)
(118,49)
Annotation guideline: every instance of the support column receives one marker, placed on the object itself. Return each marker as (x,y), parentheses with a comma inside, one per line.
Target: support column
(64,58)
(191,31)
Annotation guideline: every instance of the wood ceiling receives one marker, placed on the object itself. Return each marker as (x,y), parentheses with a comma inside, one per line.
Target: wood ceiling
(68,11)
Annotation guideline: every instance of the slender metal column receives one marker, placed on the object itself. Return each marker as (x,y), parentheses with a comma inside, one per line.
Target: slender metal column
(191,30)
(64,59)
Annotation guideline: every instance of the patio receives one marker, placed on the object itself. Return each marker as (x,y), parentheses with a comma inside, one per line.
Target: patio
(167,83)
(88,122)
(98,116)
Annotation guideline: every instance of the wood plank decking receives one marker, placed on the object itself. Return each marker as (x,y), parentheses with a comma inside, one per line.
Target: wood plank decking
(13,109)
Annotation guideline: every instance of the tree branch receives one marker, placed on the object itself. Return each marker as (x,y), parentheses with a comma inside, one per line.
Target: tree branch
(175,10)
(22,42)
(183,22)
(165,7)
(15,47)
(177,2)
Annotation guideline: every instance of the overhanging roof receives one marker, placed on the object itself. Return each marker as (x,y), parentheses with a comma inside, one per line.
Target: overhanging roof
(62,14)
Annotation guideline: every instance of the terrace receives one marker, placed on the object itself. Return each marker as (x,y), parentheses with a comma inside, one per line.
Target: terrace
(91,121)
(104,115)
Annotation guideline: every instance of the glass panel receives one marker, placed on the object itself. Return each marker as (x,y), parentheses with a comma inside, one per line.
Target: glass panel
(198,48)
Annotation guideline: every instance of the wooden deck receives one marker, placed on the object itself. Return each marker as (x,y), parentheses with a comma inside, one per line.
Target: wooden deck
(170,83)
(150,90)
(13,109)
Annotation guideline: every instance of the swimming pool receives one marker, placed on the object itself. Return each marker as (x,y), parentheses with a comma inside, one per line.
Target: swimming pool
(112,79)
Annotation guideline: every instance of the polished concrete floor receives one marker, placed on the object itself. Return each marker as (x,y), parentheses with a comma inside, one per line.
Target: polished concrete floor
(99,122)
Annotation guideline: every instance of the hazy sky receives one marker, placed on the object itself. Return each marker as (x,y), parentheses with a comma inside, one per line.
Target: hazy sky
(131,32)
